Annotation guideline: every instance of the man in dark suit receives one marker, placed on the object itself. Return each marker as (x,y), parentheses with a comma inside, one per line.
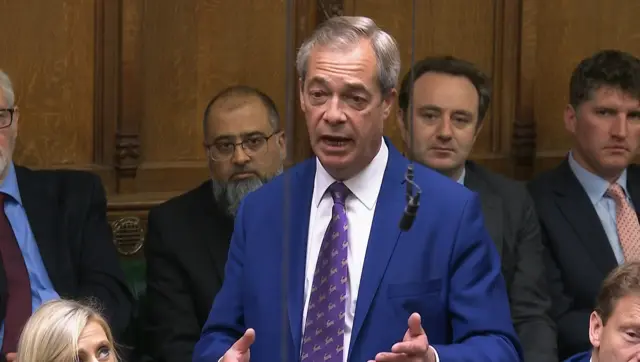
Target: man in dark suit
(188,236)
(450,99)
(613,324)
(586,204)
(55,240)
(325,273)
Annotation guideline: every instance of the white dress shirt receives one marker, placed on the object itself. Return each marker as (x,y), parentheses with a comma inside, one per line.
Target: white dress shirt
(360,208)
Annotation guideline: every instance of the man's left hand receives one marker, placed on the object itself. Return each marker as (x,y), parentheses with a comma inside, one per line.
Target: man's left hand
(11,357)
(413,348)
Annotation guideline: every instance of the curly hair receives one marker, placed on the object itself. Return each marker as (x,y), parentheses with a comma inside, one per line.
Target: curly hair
(612,68)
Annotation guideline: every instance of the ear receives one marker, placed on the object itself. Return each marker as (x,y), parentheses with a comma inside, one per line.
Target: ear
(303,106)
(388,102)
(595,329)
(570,118)
(478,129)
(16,117)
(400,115)
(281,139)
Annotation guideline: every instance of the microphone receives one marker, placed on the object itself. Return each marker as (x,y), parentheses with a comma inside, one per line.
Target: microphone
(413,201)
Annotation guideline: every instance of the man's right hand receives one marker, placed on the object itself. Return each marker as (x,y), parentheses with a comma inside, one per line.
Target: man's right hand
(239,352)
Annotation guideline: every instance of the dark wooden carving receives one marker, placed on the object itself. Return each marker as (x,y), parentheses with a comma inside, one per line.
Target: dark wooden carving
(524,142)
(107,74)
(330,8)
(131,93)
(127,154)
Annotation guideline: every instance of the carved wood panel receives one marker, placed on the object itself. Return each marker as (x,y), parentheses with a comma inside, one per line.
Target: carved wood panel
(565,32)
(119,86)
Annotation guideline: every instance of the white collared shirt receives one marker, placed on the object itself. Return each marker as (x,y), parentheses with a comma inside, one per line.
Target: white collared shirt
(360,208)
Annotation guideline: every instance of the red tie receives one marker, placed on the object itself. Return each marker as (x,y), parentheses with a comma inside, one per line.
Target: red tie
(18,285)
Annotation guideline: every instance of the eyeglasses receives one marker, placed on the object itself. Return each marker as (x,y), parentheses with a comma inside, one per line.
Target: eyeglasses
(6,117)
(253,146)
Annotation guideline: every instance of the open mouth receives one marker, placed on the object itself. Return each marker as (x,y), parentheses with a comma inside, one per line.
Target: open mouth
(335,141)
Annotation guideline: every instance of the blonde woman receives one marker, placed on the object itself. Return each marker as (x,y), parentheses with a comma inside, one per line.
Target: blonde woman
(66,331)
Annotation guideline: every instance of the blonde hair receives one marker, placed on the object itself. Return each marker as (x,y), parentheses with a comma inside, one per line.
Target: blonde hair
(53,331)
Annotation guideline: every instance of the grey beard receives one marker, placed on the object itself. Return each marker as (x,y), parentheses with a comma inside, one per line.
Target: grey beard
(230,194)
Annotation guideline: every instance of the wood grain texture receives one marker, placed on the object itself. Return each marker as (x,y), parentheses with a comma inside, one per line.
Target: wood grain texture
(571,31)
(483,32)
(48,51)
(119,86)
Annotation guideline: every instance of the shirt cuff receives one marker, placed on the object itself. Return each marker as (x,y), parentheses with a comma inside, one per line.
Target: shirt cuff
(436,353)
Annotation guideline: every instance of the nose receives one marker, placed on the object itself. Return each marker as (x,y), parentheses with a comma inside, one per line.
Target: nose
(334,114)
(620,127)
(444,129)
(240,157)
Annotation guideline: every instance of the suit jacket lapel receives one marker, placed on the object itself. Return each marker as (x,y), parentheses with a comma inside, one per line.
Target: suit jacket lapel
(217,227)
(574,203)
(41,207)
(491,203)
(384,235)
(300,189)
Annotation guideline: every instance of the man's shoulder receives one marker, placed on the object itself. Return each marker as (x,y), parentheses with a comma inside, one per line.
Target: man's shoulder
(275,189)
(510,190)
(59,180)
(544,182)
(184,202)
(437,186)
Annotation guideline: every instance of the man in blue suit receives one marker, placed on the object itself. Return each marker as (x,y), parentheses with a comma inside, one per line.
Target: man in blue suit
(318,269)
(614,325)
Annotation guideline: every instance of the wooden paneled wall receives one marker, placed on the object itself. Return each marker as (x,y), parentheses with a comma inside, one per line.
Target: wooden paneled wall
(119,86)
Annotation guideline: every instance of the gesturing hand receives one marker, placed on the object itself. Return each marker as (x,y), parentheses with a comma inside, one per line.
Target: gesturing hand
(239,352)
(413,348)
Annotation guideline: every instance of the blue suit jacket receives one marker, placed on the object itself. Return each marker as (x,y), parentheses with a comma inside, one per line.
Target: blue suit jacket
(445,267)
(580,357)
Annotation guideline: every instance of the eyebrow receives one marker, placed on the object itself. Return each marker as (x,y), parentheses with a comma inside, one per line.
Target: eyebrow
(353,87)
(241,135)
(431,107)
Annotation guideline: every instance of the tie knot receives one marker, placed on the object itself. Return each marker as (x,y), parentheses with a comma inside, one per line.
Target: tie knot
(616,192)
(339,192)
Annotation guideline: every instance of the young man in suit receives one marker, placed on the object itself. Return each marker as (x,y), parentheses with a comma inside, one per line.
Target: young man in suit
(325,273)
(55,240)
(450,100)
(614,323)
(586,204)
(188,236)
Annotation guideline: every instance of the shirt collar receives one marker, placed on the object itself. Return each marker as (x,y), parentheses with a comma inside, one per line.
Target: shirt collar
(462,175)
(10,184)
(365,185)
(594,185)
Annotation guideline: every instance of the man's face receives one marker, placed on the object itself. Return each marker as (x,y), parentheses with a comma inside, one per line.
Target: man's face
(236,172)
(619,339)
(606,129)
(8,135)
(445,121)
(344,107)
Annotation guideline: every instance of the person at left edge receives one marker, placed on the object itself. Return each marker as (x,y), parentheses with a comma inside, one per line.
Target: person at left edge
(55,240)
(433,293)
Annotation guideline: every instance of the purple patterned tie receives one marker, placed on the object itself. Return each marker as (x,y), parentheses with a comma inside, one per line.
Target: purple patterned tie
(324,327)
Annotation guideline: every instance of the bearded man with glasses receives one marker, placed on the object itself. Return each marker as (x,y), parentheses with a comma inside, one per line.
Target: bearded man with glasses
(188,236)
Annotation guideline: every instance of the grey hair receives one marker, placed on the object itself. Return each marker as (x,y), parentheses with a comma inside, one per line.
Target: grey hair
(7,88)
(342,31)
